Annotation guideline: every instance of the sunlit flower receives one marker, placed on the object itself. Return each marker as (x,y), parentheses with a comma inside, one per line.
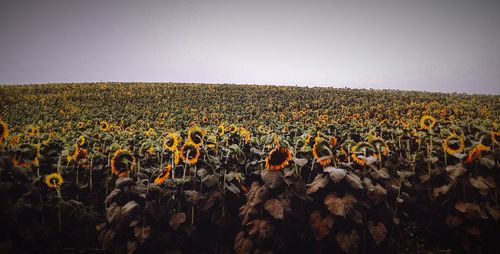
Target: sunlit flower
(278,158)
(427,122)
(4,131)
(322,154)
(164,175)
(54,180)
(195,136)
(453,144)
(171,141)
(189,153)
(122,162)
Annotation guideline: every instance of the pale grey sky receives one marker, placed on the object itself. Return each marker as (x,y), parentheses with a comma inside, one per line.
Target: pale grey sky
(434,45)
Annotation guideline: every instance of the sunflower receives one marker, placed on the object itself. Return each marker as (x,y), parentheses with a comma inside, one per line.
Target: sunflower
(221,129)
(246,135)
(360,149)
(54,180)
(122,162)
(74,155)
(4,131)
(171,141)
(195,136)
(333,141)
(233,128)
(211,141)
(495,137)
(14,141)
(149,132)
(380,145)
(204,119)
(320,151)
(104,126)
(164,175)
(32,131)
(176,157)
(278,158)
(262,129)
(80,125)
(189,153)
(81,140)
(427,122)
(475,152)
(453,144)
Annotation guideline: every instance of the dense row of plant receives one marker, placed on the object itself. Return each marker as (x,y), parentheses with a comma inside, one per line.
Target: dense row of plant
(160,168)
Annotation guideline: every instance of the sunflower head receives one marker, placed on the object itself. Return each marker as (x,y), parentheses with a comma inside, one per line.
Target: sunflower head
(221,129)
(233,128)
(211,141)
(204,120)
(453,144)
(195,136)
(73,154)
(122,162)
(81,140)
(380,145)
(427,122)
(321,152)
(164,175)
(54,180)
(104,126)
(171,141)
(278,158)
(189,153)
(4,131)
(362,148)
(80,125)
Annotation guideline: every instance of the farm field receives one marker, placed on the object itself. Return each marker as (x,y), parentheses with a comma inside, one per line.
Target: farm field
(202,168)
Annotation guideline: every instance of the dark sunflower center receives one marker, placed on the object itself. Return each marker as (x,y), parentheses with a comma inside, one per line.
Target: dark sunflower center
(454,144)
(190,152)
(196,137)
(170,142)
(123,162)
(278,157)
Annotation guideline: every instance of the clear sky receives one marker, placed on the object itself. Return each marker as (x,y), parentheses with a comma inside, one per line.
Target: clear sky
(433,45)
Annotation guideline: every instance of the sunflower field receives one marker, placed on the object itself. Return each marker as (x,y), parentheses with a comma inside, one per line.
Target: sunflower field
(202,168)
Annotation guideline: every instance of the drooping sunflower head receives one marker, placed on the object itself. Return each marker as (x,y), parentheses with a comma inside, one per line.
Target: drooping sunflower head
(211,141)
(54,180)
(73,153)
(333,141)
(104,126)
(495,137)
(475,152)
(171,141)
(164,175)
(245,135)
(221,129)
(233,128)
(380,145)
(4,131)
(189,153)
(321,152)
(195,136)
(122,162)
(81,140)
(453,144)
(427,122)
(278,158)
(360,151)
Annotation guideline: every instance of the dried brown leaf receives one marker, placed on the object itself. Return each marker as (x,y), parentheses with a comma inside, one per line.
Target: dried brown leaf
(275,209)
(320,181)
(176,220)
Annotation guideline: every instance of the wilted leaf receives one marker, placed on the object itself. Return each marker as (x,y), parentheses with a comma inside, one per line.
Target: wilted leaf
(378,231)
(260,228)
(275,209)
(348,242)
(142,233)
(455,171)
(354,180)
(479,183)
(176,220)
(272,179)
(488,162)
(131,246)
(300,162)
(336,174)
(453,220)
(320,227)
(320,181)
(209,180)
(340,206)
(242,244)
(192,196)
(441,190)
(129,207)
